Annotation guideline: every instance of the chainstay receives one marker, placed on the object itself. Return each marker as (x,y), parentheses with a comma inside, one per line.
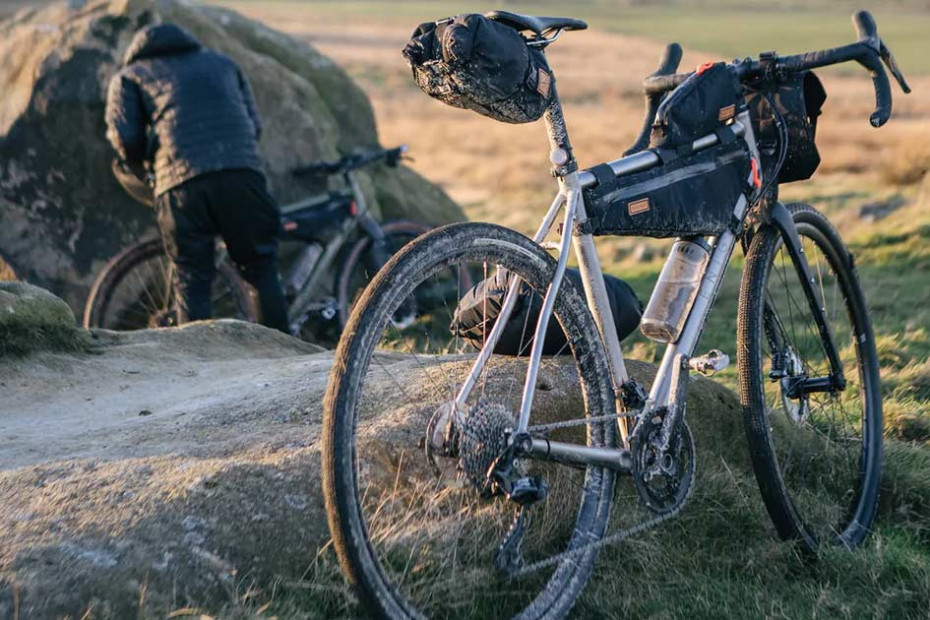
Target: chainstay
(544,428)
(613,539)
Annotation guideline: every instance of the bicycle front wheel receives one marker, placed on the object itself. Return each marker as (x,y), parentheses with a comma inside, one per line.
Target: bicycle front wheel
(136,290)
(415,537)
(816,449)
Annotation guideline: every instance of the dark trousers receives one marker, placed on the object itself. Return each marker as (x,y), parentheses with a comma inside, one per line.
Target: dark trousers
(235,205)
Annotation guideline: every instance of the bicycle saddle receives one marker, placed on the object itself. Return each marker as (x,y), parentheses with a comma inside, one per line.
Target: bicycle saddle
(537,25)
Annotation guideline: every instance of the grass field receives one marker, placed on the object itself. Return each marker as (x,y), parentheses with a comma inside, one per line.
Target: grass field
(720,559)
(729,29)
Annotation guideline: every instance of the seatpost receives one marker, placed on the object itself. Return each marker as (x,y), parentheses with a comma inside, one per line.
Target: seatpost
(560,148)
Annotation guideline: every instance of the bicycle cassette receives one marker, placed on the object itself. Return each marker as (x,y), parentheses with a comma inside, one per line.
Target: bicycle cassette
(663,479)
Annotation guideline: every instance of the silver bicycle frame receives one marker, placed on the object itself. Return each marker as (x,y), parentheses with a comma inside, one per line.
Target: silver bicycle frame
(664,391)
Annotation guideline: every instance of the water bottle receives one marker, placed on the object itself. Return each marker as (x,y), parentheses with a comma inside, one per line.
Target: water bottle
(302,268)
(675,291)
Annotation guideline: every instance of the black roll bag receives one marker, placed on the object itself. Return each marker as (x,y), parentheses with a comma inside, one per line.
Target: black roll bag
(709,98)
(475,63)
(478,310)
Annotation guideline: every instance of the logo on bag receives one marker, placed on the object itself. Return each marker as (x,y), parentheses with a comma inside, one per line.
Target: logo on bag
(639,206)
(727,113)
(543,82)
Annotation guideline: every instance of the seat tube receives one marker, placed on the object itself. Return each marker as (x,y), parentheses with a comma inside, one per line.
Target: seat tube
(596,293)
(560,147)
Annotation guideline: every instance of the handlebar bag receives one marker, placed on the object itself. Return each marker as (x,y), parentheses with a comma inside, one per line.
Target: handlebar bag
(475,63)
(685,196)
(798,99)
(708,99)
(319,221)
(479,308)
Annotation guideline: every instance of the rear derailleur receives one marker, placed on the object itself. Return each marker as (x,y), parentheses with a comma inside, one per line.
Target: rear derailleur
(489,455)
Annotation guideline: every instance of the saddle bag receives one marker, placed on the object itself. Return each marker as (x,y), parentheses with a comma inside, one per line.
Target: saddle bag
(709,98)
(685,196)
(478,310)
(475,63)
(319,221)
(798,99)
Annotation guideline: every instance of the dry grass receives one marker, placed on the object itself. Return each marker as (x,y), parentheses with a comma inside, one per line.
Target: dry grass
(6,272)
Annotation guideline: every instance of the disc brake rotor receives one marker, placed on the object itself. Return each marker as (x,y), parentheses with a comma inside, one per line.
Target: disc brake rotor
(796,408)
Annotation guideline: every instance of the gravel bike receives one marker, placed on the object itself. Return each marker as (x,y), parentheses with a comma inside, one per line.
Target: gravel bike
(461,482)
(136,289)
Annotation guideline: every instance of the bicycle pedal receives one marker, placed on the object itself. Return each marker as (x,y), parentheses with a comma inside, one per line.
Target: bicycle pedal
(710,363)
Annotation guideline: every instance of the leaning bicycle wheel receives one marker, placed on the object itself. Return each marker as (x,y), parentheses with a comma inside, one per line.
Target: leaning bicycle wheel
(357,270)
(414,534)
(816,449)
(136,290)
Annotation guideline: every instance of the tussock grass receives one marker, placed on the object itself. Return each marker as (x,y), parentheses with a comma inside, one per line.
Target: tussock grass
(908,164)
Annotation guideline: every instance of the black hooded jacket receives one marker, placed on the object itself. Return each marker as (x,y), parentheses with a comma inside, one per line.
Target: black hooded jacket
(185,109)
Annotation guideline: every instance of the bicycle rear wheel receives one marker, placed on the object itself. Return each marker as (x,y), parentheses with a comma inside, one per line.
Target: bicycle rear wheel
(420,541)
(136,290)
(817,452)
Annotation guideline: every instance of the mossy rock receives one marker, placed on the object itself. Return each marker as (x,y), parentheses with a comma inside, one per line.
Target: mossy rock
(32,319)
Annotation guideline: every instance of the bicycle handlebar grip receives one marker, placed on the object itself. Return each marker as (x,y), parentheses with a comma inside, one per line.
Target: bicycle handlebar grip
(670,60)
(866,27)
(867,30)
(882,90)
(668,65)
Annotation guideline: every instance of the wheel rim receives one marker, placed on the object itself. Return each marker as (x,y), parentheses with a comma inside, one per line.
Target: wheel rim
(144,296)
(819,439)
(433,537)
(359,272)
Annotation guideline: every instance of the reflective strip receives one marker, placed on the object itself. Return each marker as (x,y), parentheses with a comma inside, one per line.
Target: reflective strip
(683,174)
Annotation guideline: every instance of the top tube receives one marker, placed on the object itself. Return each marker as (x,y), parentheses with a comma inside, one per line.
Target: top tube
(647,159)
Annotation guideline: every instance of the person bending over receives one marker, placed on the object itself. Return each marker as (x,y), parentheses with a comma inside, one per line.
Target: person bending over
(187,113)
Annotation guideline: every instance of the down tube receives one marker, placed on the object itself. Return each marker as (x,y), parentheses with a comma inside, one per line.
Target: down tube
(687,342)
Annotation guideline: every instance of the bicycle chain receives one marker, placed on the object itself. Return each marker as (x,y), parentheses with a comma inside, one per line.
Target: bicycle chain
(616,537)
(613,539)
(544,428)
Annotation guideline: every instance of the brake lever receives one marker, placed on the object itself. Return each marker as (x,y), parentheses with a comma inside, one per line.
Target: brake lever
(892,64)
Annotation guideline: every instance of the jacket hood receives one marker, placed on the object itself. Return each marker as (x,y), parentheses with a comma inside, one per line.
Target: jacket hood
(160,40)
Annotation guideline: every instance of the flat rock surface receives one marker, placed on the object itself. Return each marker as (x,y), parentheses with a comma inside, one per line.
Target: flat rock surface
(181,467)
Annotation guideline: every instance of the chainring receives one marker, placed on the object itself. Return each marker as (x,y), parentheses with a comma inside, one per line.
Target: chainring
(663,480)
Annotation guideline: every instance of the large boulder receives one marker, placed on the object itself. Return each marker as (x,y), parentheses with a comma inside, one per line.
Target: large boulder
(61,212)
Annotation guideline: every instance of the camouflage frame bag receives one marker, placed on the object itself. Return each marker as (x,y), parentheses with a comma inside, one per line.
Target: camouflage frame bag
(474,63)
(798,99)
